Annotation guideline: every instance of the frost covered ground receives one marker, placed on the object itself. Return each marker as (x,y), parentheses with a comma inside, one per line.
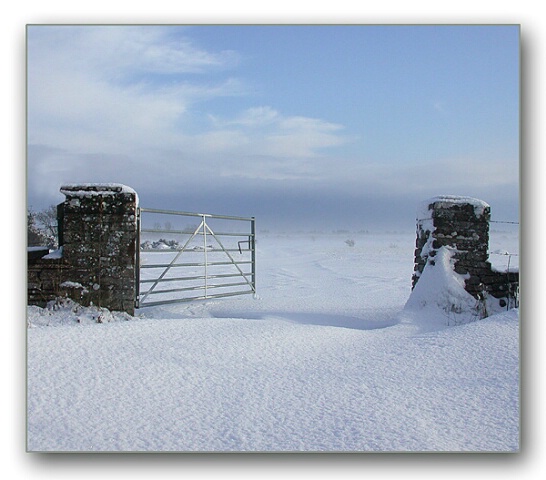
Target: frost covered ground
(326,359)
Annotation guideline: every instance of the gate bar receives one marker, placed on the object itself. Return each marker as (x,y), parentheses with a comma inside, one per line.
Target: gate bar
(252,248)
(195,264)
(196,277)
(188,214)
(199,287)
(186,232)
(202,297)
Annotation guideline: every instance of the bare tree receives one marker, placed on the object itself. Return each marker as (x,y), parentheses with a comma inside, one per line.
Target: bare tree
(34,236)
(47,219)
(42,227)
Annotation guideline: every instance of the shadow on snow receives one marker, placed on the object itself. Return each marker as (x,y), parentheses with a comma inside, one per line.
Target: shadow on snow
(322,319)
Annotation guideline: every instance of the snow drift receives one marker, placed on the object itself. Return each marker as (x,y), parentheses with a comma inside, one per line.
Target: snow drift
(332,357)
(439,295)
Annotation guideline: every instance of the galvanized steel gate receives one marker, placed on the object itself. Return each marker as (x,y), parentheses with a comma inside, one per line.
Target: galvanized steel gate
(213,257)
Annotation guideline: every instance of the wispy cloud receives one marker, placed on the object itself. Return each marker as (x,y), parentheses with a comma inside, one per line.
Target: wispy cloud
(112,88)
(269,133)
(252,117)
(117,51)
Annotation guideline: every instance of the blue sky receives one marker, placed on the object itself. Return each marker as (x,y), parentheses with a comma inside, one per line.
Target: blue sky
(347,126)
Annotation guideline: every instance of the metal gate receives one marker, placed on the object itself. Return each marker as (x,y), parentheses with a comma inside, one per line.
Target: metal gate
(213,256)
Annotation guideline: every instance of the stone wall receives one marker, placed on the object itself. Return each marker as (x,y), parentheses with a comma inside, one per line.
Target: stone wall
(44,278)
(96,263)
(462,223)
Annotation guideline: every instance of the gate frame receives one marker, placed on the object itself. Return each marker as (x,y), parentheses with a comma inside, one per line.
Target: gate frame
(203,227)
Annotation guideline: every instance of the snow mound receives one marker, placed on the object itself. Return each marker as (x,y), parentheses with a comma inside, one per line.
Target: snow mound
(63,311)
(440,297)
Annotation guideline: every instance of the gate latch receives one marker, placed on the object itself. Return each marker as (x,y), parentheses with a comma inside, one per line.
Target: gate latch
(243,241)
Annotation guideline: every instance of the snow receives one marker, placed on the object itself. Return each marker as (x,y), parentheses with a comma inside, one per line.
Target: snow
(94,189)
(443,201)
(89,188)
(440,293)
(70,284)
(336,354)
(58,253)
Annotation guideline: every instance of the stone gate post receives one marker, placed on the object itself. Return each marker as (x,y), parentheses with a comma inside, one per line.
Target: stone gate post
(99,234)
(462,223)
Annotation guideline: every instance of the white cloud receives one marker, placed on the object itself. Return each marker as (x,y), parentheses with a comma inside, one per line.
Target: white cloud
(118,51)
(122,90)
(271,134)
(219,142)
(116,89)
(251,117)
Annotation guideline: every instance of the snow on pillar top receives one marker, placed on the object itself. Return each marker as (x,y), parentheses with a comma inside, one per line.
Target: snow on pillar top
(444,202)
(91,189)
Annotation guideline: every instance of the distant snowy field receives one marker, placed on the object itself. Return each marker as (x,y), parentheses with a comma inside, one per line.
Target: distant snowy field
(326,359)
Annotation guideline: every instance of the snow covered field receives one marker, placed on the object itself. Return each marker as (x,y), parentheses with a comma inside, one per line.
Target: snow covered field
(326,359)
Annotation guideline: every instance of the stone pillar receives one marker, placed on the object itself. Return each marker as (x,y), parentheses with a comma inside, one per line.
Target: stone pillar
(461,223)
(100,244)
